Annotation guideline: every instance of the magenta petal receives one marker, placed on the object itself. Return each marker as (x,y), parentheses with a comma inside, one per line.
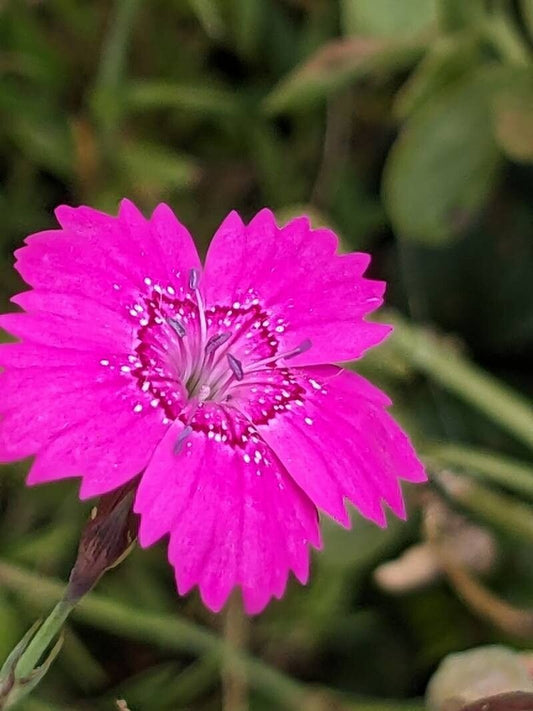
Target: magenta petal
(106,451)
(108,258)
(341,443)
(57,331)
(175,242)
(298,277)
(234,516)
(79,316)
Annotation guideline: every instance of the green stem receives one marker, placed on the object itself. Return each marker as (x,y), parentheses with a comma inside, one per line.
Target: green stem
(510,473)
(174,633)
(500,30)
(505,512)
(44,637)
(433,356)
(113,59)
(195,680)
(107,98)
(167,632)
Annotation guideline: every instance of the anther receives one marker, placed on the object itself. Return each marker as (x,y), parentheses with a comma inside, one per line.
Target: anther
(216,341)
(235,366)
(302,348)
(177,326)
(178,446)
(194,278)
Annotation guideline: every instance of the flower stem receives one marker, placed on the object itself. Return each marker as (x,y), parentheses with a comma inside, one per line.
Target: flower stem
(174,633)
(167,632)
(233,675)
(45,635)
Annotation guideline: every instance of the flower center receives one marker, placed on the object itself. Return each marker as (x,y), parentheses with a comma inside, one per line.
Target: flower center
(188,354)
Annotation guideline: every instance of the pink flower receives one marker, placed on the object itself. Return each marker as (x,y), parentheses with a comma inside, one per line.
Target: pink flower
(207,380)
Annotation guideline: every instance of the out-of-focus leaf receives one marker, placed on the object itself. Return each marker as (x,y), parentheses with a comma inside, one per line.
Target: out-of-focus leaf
(22,34)
(201,99)
(456,15)
(46,140)
(513,117)
(248,16)
(152,167)
(10,625)
(527,13)
(337,64)
(442,166)
(279,180)
(315,215)
(209,16)
(112,66)
(172,686)
(509,473)
(510,515)
(387,18)
(445,62)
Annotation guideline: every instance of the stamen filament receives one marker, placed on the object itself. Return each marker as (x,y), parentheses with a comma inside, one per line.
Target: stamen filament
(258,364)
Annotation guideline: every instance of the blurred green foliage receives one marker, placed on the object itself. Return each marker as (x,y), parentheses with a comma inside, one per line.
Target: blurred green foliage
(407,126)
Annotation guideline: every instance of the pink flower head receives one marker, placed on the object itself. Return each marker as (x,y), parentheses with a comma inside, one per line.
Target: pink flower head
(209,382)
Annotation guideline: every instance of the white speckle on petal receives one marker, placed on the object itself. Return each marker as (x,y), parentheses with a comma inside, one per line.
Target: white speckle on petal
(138,407)
(308,420)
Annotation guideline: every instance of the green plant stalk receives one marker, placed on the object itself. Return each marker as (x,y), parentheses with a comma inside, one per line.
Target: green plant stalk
(180,635)
(431,354)
(500,30)
(113,59)
(510,515)
(509,473)
(43,639)
(168,632)
(194,680)
(107,99)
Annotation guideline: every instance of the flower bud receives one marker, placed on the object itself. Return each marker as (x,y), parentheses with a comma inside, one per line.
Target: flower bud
(106,540)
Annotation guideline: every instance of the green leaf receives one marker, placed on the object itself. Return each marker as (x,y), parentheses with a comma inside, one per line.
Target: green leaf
(201,99)
(527,13)
(387,18)
(338,64)
(448,60)
(208,14)
(45,140)
(507,513)
(514,475)
(443,164)
(152,167)
(513,117)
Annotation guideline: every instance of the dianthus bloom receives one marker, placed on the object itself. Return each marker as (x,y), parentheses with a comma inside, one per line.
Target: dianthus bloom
(209,382)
